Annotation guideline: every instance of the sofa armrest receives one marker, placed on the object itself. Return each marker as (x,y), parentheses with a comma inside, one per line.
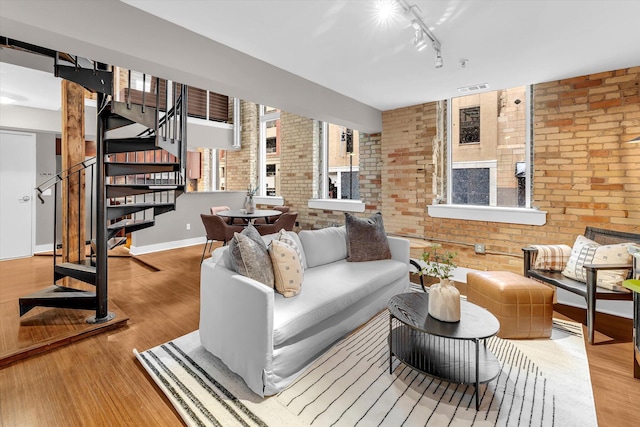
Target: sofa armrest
(399,249)
(236,322)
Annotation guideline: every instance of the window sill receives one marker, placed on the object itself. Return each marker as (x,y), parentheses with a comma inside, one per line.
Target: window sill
(269,200)
(489,213)
(337,205)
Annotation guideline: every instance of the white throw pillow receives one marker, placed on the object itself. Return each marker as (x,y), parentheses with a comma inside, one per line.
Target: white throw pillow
(586,251)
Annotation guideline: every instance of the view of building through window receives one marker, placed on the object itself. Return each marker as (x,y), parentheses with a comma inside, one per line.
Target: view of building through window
(488,148)
(343,158)
(270,151)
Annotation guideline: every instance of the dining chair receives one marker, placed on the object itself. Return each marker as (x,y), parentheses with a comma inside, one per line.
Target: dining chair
(217,229)
(272,219)
(216,209)
(287,220)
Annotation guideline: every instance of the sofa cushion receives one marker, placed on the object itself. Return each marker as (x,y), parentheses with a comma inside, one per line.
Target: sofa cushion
(287,269)
(366,238)
(328,290)
(324,246)
(248,256)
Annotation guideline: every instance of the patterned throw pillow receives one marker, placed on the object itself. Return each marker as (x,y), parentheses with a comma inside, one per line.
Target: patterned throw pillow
(586,251)
(551,257)
(287,269)
(249,256)
(366,238)
(285,238)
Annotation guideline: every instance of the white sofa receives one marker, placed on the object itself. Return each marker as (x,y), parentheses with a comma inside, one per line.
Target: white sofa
(269,340)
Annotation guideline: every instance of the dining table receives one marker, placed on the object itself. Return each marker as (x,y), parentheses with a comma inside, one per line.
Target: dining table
(247,217)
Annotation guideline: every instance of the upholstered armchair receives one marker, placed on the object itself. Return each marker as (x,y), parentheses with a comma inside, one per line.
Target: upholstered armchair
(217,229)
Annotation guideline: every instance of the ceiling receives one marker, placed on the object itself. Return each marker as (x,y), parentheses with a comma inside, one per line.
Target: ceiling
(27,87)
(298,52)
(344,46)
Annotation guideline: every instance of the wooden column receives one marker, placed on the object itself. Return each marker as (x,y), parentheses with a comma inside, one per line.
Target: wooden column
(73,152)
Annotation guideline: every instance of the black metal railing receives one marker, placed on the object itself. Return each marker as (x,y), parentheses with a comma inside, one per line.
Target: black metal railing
(79,173)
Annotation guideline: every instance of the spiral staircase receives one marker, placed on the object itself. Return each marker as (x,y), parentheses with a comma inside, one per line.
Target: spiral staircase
(134,177)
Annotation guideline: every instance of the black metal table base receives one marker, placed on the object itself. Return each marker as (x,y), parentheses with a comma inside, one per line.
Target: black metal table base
(454,360)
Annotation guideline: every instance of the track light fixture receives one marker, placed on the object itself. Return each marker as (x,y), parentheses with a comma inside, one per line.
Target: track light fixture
(439,62)
(420,40)
(421,31)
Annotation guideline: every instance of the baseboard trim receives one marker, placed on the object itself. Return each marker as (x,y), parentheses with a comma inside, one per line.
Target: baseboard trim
(164,246)
(43,248)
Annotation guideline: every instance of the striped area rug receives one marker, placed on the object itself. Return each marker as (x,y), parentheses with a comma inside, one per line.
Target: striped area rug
(541,383)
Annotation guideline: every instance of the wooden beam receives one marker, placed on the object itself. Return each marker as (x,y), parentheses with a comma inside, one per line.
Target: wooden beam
(73,152)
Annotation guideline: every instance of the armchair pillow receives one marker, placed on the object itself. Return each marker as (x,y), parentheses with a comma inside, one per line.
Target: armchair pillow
(586,251)
(551,257)
(366,238)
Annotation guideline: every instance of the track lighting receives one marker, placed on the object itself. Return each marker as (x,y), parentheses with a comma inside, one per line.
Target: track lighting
(421,31)
(439,62)
(419,40)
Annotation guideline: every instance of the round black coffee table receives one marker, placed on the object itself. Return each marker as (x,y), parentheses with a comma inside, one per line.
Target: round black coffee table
(449,351)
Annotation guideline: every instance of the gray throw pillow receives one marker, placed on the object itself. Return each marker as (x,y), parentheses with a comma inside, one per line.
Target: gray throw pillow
(249,256)
(366,238)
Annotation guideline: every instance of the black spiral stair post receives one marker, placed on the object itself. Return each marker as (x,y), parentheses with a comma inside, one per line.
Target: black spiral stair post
(102,307)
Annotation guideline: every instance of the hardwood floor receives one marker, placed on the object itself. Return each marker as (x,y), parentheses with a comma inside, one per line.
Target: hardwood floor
(97,381)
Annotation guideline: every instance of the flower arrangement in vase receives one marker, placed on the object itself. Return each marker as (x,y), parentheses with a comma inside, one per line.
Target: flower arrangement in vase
(250,204)
(444,298)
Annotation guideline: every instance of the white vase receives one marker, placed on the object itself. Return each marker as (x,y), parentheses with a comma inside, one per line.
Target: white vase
(444,301)
(249,204)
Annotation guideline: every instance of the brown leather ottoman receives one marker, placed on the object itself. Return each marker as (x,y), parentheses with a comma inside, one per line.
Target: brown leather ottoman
(523,306)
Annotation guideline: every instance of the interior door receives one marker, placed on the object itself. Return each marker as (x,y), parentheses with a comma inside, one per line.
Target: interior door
(17,182)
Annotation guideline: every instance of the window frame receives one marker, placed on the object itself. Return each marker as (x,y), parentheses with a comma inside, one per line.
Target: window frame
(528,215)
(264,118)
(322,201)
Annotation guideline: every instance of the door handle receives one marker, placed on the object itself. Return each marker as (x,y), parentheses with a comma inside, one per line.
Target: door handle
(25,199)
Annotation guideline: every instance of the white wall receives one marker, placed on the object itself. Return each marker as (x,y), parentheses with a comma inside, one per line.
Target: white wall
(151,45)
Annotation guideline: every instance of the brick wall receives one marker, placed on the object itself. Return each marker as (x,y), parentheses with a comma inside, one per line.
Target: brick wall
(407,167)
(241,165)
(585,173)
(297,158)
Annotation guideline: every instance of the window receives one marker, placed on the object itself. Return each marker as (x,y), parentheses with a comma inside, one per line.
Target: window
(271,145)
(206,171)
(488,141)
(271,179)
(489,159)
(269,151)
(341,163)
(469,125)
